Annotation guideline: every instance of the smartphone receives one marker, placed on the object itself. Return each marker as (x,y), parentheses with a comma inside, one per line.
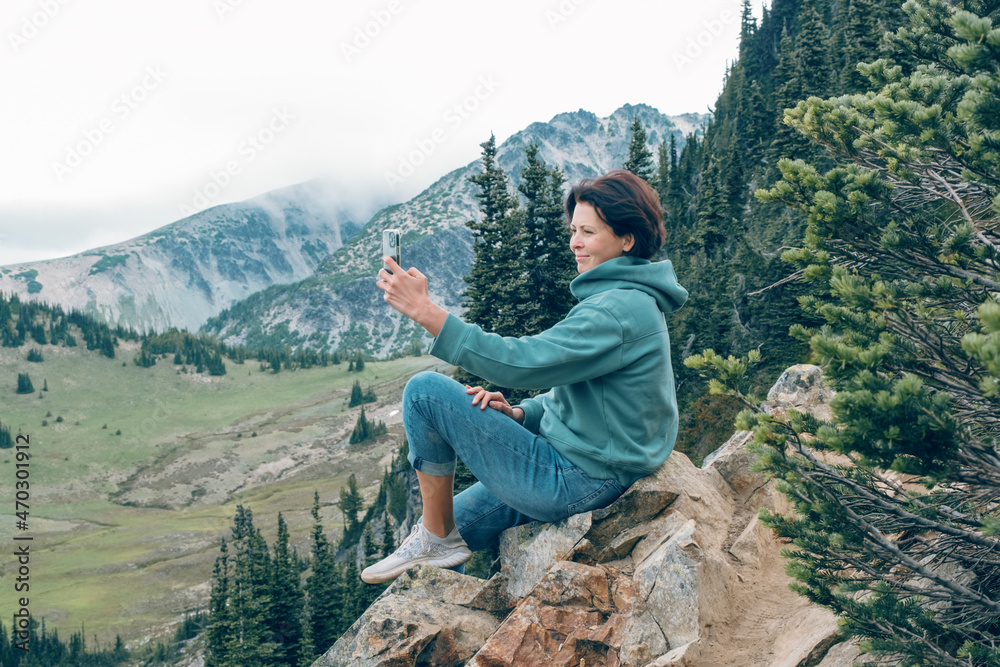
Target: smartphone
(391,245)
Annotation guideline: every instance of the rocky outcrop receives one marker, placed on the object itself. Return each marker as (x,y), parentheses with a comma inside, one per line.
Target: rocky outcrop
(678,571)
(428,616)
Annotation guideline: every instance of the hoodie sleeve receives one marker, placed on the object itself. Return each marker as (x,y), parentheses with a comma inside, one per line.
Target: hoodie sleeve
(585,345)
(533,411)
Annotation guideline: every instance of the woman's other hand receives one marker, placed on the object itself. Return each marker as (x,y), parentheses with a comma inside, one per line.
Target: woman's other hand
(495,400)
(407,292)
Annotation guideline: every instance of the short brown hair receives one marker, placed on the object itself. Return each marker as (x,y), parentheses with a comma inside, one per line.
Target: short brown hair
(627,204)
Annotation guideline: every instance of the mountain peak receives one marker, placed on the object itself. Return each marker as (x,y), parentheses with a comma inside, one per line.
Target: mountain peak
(206,265)
(339,305)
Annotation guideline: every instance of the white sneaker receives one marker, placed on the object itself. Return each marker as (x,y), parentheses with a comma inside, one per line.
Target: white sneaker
(419,548)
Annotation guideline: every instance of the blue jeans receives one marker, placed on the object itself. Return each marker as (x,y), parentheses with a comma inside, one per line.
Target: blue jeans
(522,478)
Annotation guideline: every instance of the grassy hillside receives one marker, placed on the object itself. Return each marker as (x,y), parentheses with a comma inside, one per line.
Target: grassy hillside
(126,527)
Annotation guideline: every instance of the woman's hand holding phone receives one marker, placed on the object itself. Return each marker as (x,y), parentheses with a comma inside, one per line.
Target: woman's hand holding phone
(407,292)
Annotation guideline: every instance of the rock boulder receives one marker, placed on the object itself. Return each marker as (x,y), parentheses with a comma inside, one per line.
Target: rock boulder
(678,571)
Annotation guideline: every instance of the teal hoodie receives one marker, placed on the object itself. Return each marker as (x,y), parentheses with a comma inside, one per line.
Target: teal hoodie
(612,409)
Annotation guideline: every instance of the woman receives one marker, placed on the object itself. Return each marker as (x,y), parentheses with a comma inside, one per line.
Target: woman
(610,419)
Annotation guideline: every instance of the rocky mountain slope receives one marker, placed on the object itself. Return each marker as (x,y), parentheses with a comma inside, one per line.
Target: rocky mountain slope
(676,572)
(339,306)
(182,273)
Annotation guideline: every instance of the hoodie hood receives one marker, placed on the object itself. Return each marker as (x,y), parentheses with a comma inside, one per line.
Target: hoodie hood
(656,279)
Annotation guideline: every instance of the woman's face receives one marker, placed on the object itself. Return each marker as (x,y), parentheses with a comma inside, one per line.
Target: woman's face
(592,240)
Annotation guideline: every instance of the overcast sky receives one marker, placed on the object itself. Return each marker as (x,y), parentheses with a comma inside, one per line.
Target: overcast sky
(120,116)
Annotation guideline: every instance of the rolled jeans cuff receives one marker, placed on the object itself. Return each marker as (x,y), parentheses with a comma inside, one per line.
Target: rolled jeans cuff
(430,467)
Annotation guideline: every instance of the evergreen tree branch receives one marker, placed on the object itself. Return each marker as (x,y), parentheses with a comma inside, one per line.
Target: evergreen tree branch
(895,510)
(877,538)
(918,521)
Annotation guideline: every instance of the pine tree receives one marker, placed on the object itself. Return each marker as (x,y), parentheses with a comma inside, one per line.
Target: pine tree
(896,524)
(38,333)
(547,259)
(662,180)
(812,51)
(672,208)
(351,503)
(388,542)
(249,641)
(749,55)
(220,626)
(323,588)
(366,430)
(862,33)
(488,274)
(307,650)
(287,601)
(354,594)
(513,305)
(713,209)
(640,160)
(371,547)
(755,122)
(357,398)
(688,166)
(24,385)
(144,359)
(107,345)
(6,649)
(557,258)
(534,180)
(805,70)
(367,593)
(396,496)
(789,90)
(215,364)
